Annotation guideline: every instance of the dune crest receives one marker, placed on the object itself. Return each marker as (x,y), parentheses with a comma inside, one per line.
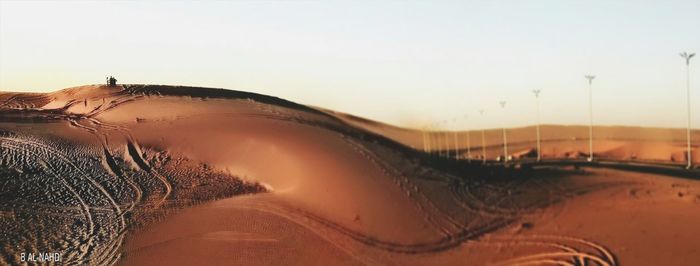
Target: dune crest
(249,178)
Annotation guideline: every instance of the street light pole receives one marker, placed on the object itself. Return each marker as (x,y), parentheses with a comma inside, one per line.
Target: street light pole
(457,155)
(443,142)
(426,140)
(425,144)
(469,144)
(537,104)
(430,141)
(505,138)
(447,138)
(590,116)
(438,142)
(483,138)
(687,58)
(446,134)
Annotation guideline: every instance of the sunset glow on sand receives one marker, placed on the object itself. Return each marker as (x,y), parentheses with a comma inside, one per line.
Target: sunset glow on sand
(349,133)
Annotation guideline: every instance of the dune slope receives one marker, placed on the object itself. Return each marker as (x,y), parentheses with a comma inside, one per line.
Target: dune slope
(254,179)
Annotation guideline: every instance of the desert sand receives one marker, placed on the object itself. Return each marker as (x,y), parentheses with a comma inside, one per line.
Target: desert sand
(148,174)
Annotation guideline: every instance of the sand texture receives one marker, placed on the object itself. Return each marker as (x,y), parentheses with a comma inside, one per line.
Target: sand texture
(168,175)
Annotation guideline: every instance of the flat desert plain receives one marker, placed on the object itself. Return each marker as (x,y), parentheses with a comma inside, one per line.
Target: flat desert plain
(169,175)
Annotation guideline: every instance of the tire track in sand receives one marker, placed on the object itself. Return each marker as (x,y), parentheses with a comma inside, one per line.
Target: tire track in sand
(134,151)
(10,143)
(118,213)
(568,251)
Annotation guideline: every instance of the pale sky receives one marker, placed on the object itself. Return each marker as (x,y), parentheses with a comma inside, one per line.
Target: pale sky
(405,63)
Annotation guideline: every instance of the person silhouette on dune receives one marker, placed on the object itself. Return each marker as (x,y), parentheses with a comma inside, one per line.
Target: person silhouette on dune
(111,81)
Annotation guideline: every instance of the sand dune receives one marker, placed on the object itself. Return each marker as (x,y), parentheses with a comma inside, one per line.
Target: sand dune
(611,142)
(141,174)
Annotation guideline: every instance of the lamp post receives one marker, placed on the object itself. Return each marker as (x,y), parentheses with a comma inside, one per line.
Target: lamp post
(456,140)
(483,138)
(422,134)
(446,135)
(590,116)
(687,58)
(469,144)
(456,145)
(436,135)
(426,140)
(447,138)
(430,141)
(537,104)
(505,138)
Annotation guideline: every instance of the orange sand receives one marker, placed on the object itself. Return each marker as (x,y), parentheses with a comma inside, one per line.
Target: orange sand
(345,190)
